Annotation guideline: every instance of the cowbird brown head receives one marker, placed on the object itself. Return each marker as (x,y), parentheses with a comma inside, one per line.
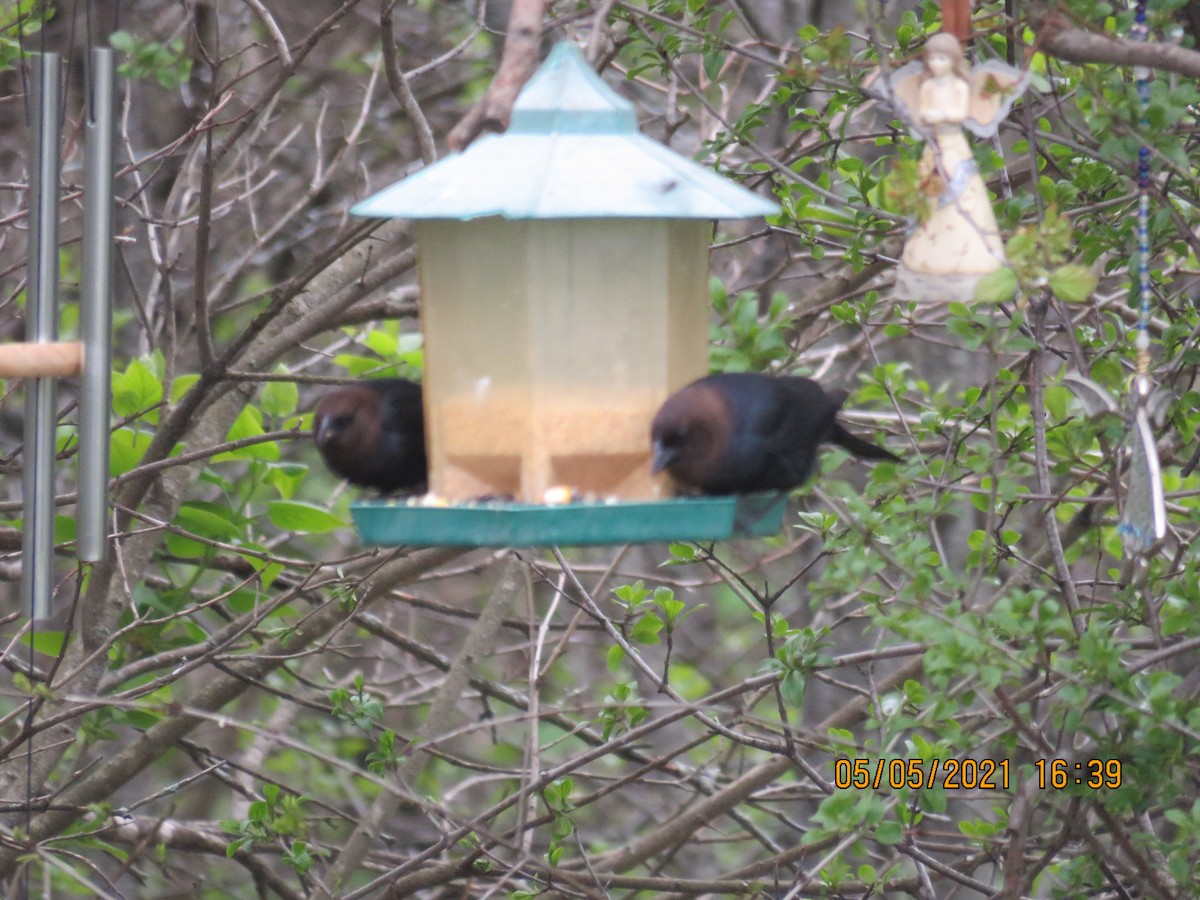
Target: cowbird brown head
(734,433)
(373,434)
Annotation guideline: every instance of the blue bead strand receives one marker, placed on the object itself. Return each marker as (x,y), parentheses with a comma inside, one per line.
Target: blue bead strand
(1141,32)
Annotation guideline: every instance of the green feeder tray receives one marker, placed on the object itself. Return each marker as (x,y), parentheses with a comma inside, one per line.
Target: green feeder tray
(572,524)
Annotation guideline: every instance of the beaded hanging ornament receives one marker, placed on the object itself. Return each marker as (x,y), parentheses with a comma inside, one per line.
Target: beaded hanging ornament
(1143,522)
(1143,514)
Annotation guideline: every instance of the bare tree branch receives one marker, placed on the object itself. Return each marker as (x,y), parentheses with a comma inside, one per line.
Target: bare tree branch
(521,47)
(125,764)
(1060,37)
(398,82)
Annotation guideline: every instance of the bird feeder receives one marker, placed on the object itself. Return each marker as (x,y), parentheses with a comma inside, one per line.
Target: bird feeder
(564,287)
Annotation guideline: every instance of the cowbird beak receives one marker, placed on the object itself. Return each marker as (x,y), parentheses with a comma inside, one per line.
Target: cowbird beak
(662,456)
(324,431)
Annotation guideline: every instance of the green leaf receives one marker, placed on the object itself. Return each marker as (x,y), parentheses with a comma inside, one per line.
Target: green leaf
(1178,818)
(681,554)
(248,424)
(292,515)
(48,642)
(121,40)
(358,366)
(647,628)
(186,548)
(792,687)
(714,61)
(267,571)
(182,384)
(298,857)
(64,529)
(999,286)
(770,666)
(204,520)
(671,608)
(135,390)
(382,343)
(280,398)
(631,594)
(561,828)
(1072,283)
(286,477)
(614,657)
(210,520)
(142,720)
(889,833)
(126,448)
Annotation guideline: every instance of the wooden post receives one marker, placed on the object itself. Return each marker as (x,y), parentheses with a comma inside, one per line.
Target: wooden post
(50,360)
(956,19)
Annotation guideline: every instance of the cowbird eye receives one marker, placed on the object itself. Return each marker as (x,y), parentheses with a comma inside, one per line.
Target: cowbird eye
(675,438)
(328,428)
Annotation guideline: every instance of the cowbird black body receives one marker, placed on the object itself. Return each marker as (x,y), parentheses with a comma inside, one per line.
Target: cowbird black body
(735,433)
(373,434)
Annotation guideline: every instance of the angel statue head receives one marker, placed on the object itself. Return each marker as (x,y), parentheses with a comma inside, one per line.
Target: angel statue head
(942,54)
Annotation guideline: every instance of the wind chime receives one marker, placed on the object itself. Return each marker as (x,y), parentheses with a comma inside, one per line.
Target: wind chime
(42,358)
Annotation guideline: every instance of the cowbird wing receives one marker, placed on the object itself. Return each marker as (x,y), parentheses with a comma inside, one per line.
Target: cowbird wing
(401,453)
(809,393)
(401,405)
(810,421)
(777,425)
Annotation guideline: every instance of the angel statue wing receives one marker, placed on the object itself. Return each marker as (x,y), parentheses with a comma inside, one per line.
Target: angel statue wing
(901,90)
(995,86)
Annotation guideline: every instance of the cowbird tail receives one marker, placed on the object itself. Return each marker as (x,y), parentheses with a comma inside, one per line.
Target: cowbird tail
(859,447)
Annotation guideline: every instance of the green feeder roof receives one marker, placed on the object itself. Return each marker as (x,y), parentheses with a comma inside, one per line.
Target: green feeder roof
(571,151)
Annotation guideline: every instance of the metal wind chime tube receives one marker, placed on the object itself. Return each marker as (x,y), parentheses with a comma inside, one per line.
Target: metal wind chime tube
(96,310)
(41,314)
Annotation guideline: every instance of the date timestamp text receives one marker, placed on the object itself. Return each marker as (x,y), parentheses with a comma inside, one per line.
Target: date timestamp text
(951,774)
(971,774)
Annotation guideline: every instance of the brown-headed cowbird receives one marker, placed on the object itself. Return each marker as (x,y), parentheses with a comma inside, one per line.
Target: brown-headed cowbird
(734,433)
(373,434)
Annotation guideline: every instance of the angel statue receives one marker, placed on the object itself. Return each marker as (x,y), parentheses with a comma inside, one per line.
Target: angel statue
(958,241)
